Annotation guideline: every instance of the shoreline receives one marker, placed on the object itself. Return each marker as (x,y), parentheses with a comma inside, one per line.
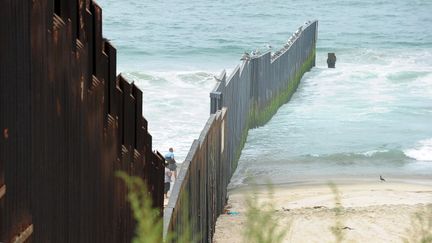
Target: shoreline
(372,211)
(325,180)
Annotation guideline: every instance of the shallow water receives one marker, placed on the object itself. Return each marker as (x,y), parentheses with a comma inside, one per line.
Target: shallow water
(371,115)
(361,119)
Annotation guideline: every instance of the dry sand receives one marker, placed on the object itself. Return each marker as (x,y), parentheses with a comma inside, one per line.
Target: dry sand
(372,211)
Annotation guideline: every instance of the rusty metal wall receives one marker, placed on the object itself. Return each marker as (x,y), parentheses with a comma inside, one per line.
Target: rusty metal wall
(67,124)
(249,97)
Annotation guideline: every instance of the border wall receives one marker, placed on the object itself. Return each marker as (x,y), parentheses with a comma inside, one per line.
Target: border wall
(67,124)
(248,98)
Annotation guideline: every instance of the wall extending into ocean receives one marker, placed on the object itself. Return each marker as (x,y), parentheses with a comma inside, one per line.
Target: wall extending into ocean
(67,124)
(248,98)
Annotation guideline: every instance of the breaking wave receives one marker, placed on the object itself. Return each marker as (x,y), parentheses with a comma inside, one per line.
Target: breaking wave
(422,151)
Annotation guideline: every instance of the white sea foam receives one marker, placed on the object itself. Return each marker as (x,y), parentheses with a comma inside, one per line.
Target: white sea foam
(176,105)
(422,152)
(373,152)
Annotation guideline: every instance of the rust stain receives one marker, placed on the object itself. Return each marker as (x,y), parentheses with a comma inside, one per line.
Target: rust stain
(58,106)
(2,191)
(82,88)
(55,36)
(6,133)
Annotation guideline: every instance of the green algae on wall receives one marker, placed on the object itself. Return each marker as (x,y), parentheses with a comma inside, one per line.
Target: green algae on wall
(261,115)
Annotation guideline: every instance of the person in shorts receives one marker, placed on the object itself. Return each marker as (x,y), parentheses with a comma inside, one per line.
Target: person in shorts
(167,185)
(169,157)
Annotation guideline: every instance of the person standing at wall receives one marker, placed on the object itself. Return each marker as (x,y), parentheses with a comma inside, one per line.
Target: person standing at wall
(167,185)
(169,157)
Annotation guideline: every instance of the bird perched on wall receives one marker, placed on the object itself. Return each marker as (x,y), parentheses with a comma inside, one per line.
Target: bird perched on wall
(382,179)
(245,57)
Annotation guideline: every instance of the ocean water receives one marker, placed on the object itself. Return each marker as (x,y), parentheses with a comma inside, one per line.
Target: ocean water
(371,115)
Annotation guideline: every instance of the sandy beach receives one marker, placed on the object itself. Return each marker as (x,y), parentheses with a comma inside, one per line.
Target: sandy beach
(373,211)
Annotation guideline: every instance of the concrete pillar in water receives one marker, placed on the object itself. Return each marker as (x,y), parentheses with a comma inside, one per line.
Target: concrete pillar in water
(331,60)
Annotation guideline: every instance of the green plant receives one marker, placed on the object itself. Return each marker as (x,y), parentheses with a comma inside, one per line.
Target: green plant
(186,234)
(149,223)
(337,228)
(262,226)
(421,226)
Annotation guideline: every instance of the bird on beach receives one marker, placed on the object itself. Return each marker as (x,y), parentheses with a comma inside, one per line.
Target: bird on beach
(382,179)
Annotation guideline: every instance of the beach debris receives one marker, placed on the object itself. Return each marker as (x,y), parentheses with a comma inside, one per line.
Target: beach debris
(285,209)
(347,228)
(228,211)
(382,179)
(233,213)
(316,207)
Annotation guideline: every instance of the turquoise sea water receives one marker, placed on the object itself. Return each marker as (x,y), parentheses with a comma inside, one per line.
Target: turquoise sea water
(371,115)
